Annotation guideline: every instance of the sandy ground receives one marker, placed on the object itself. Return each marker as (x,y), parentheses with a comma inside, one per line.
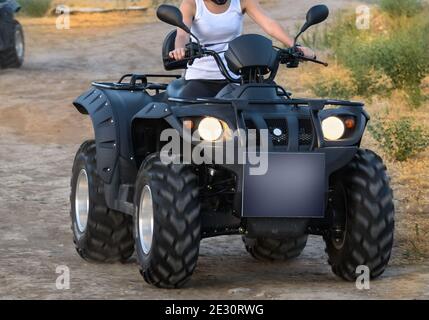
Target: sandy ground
(39,134)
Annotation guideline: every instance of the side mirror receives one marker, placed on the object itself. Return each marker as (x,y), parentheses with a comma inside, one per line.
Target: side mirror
(315,15)
(171,15)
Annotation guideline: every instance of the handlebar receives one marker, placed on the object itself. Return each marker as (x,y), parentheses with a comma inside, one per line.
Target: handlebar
(168,59)
(192,52)
(315,61)
(291,57)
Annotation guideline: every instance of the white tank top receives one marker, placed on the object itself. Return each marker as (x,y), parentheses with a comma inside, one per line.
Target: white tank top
(212,28)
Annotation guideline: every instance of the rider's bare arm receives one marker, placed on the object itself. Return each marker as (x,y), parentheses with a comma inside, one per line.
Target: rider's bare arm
(188,11)
(269,25)
(253,9)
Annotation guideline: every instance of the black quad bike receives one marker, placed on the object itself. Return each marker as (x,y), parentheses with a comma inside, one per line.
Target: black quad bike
(318,179)
(12,46)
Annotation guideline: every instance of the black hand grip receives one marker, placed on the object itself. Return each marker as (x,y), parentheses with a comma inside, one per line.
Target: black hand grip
(315,61)
(292,56)
(300,55)
(168,59)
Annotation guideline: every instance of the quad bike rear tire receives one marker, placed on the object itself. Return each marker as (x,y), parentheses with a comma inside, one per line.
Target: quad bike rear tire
(167,222)
(13,57)
(100,234)
(365,202)
(266,249)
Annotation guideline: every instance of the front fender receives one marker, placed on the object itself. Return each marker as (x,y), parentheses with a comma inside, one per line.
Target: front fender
(111,112)
(96,104)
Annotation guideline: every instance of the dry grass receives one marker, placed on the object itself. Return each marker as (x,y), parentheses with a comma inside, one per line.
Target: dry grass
(410,179)
(96,20)
(105,4)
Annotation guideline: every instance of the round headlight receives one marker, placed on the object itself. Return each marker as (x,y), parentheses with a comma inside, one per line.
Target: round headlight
(333,128)
(210,129)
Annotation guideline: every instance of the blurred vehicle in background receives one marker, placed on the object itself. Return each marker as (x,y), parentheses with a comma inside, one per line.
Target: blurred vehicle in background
(12,46)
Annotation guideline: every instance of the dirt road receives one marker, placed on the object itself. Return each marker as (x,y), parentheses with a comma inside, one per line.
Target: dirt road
(39,134)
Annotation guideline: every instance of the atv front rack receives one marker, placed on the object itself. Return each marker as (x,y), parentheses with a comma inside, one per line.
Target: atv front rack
(315,104)
(318,104)
(137,82)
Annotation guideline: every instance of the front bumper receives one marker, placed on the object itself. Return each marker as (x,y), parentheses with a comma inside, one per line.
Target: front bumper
(302,142)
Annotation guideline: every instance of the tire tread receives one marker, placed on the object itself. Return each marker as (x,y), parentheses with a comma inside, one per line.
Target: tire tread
(175,247)
(109,236)
(266,249)
(370,230)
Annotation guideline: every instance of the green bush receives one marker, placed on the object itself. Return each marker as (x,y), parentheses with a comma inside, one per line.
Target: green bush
(350,47)
(407,8)
(332,89)
(400,139)
(35,8)
(403,57)
(335,82)
(399,56)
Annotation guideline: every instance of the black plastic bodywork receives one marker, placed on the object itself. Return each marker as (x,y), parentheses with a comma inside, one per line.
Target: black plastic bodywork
(7,12)
(128,120)
(111,111)
(239,58)
(128,123)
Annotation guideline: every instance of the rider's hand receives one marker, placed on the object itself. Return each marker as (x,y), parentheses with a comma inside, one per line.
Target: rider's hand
(177,54)
(307,52)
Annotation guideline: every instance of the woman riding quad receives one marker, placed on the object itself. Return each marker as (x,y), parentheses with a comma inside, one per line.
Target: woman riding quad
(312,177)
(215,23)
